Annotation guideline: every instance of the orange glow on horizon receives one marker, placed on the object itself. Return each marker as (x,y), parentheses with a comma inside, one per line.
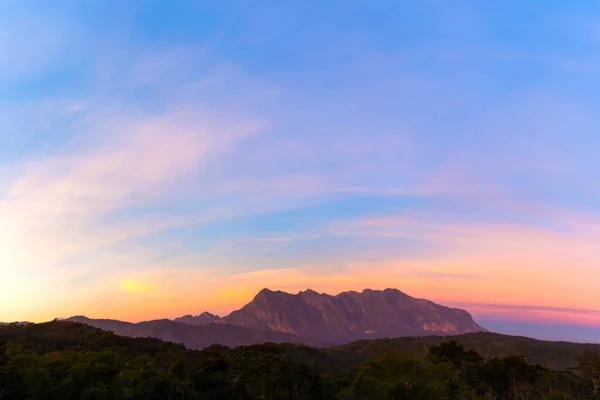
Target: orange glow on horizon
(159,296)
(494,265)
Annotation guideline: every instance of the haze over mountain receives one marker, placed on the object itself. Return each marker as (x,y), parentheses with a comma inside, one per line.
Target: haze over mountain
(194,336)
(307,317)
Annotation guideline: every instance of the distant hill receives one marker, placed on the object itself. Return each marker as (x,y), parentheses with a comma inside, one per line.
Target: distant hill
(554,355)
(68,335)
(202,319)
(350,316)
(194,336)
(15,323)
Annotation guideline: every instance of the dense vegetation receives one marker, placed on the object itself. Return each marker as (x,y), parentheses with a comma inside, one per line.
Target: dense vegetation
(64,360)
(554,355)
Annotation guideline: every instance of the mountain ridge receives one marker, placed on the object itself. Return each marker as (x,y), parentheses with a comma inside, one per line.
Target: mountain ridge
(307,317)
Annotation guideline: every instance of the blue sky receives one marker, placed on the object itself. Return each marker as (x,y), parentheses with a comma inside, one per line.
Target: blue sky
(160,158)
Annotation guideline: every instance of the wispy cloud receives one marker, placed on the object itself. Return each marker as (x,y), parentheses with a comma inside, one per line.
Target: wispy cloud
(62,203)
(187,166)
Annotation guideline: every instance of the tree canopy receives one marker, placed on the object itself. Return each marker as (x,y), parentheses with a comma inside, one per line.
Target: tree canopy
(60,360)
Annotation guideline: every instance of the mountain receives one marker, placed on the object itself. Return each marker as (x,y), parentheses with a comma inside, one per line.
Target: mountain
(202,319)
(308,317)
(350,316)
(194,336)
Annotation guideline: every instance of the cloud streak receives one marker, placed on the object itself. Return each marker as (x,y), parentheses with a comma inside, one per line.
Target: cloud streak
(186,166)
(62,204)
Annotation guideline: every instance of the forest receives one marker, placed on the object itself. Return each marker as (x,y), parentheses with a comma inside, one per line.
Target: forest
(67,360)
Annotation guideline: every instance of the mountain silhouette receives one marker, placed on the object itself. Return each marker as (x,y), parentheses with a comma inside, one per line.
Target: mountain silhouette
(308,317)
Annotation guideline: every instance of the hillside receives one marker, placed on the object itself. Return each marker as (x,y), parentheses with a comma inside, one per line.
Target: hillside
(555,355)
(194,336)
(68,360)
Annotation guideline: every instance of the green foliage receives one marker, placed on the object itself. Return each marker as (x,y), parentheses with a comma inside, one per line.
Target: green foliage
(70,361)
(554,355)
(588,365)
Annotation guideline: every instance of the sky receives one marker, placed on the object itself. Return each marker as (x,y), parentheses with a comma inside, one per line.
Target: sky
(166,158)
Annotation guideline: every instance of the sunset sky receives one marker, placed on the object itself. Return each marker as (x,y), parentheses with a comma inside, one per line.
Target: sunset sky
(160,158)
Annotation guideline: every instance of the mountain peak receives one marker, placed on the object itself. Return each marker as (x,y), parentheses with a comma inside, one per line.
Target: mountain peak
(309,291)
(207,314)
(266,293)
